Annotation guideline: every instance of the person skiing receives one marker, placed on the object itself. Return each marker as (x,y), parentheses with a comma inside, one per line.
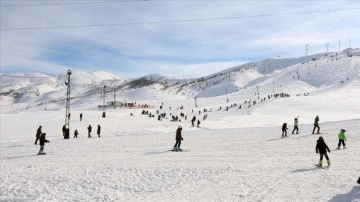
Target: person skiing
(89,130)
(98,130)
(81,115)
(76,133)
(178,139)
(38,134)
(193,121)
(342,138)
(316,125)
(321,148)
(296,126)
(43,140)
(284,130)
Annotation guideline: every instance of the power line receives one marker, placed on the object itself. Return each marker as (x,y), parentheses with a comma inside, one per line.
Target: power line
(115,1)
(26,77)
(71,3)
(175,21)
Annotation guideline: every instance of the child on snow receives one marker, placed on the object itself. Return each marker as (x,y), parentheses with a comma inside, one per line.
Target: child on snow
(342,138)
(284,130)
(42,144)
(321,148)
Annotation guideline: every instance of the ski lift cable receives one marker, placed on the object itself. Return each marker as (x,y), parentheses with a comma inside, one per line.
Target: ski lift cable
(176,21)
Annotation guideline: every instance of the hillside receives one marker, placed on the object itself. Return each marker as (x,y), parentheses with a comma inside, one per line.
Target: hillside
(311,74)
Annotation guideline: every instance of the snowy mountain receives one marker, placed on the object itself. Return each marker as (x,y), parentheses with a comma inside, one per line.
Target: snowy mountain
(309,74)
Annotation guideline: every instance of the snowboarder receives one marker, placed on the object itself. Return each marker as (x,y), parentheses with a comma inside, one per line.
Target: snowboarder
(198,123)
(38,134)
(193,121)
(178,139)
(89,130)
(321,148)
(296,126)
(63,130)
(98,130)
(342,138)
(316,125)
(284,130)
(42,144)
(81,115)
(76,133)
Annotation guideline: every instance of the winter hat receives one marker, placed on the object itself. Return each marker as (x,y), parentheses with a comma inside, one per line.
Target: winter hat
(44,134)
(321,138)
(179,127)
(343,130)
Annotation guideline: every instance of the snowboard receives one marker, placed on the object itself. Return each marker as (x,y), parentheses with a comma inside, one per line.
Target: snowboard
(323,167)
(42,154)
(177,150)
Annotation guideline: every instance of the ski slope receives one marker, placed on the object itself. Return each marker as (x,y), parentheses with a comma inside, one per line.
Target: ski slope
(235,154)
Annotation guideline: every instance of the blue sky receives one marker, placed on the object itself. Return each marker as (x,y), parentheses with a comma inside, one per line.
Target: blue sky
(190,49)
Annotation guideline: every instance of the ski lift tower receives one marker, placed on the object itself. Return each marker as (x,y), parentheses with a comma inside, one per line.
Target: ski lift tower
(103,115)
(67,111)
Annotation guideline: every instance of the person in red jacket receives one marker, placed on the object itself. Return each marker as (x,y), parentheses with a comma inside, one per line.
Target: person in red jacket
(321,148)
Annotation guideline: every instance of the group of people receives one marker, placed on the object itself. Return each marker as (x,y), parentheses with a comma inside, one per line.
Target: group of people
(322,148)
(41,137)
(296,127)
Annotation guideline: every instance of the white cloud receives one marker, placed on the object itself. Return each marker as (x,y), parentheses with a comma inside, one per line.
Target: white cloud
(154,48)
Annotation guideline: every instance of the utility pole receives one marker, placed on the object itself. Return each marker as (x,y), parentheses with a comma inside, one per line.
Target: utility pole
(306,49)
(349,43)
(257,87)
(103,115)
(273,87)
(339,45)
(67,111)
(195,101)
(327,51)
(115,97)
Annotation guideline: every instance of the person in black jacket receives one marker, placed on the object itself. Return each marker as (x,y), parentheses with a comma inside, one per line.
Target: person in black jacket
(316,125)
(321,148)
(38,134)
(178,138)
(89,131)
(42,144)
(98,130)
(81,115)
(358,181)
(284,130)
(76,133)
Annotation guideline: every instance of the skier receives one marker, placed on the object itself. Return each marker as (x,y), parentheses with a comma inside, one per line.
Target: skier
(316,125)
(98,130)
(193,121)
(76,133)
(38,134)
(89,131)
(284,130)
(198,123)
(296,126)
(178,139)
(81,115)
(321,148)
(42,144)
(342,138)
